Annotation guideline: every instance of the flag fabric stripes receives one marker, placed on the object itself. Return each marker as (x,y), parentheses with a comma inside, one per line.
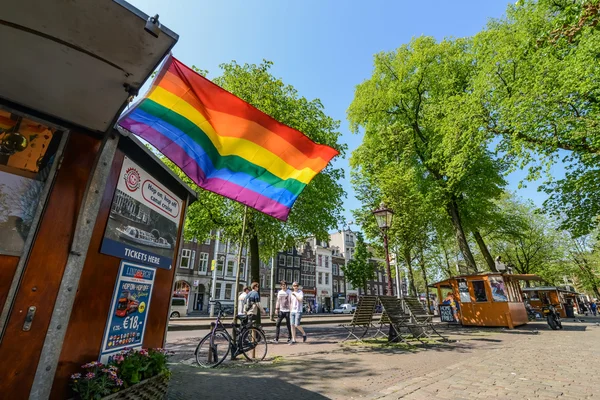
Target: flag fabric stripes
(224,144)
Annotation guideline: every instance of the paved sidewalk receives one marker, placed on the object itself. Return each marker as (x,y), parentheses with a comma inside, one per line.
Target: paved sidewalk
(527,363)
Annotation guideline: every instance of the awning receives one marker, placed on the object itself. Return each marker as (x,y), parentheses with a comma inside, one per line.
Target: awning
(77,61)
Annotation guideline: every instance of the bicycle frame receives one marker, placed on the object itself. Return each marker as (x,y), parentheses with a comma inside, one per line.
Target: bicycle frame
(235,337)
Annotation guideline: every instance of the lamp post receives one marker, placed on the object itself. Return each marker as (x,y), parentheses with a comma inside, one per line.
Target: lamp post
(383,216)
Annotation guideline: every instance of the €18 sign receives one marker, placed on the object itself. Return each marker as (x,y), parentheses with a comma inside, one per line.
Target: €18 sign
(129,309)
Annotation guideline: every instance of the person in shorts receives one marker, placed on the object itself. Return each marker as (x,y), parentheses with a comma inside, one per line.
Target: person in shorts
(296,298)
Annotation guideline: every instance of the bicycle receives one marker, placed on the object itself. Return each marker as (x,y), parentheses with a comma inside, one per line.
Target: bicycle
(214,348)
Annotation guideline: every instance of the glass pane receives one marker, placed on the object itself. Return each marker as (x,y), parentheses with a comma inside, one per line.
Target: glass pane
(27,151)
(479,290)
(463,290)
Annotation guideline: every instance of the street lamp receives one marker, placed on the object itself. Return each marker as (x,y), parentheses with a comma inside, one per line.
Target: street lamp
(383,216)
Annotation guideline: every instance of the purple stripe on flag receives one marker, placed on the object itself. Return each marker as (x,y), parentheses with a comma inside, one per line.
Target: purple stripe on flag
(187,164)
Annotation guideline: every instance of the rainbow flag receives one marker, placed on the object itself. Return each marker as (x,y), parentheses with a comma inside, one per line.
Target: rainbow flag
(224,144)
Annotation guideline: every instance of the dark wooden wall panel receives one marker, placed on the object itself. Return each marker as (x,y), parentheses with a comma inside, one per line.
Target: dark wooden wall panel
(84,335)
(8,265)
(45,267)
(92,301)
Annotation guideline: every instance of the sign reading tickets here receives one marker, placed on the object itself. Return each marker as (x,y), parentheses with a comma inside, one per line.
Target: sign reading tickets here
(144,219)
(128,310)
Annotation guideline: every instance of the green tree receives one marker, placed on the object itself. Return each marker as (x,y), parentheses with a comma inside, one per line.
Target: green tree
(537,82)
(317,209)
(417,113)
(358,271)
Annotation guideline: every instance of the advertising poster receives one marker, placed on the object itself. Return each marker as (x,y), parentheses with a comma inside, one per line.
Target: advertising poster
(129,307)
(144,219)
(498,289)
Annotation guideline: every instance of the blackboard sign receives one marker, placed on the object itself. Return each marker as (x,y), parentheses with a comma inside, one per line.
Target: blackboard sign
(446,314)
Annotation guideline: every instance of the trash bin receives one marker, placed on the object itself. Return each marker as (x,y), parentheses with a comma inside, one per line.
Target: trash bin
(569,310)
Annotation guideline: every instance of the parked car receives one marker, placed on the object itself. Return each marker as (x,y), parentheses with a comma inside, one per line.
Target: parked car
(178,307)
(345,309)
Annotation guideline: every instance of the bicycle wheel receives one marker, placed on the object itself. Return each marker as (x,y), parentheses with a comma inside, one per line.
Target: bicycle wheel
(213,349)
(253,344)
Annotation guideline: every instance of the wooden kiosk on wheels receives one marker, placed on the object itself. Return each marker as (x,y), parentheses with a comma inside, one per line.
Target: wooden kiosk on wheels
(90,219)
(487,299)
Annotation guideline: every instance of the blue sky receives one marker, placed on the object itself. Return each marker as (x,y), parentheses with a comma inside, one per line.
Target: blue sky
(323,48)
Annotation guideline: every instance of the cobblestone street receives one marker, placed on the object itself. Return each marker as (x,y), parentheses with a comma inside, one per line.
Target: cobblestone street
(525,363)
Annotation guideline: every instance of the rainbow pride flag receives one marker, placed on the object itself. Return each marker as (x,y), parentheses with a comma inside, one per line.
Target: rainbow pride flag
(224,144)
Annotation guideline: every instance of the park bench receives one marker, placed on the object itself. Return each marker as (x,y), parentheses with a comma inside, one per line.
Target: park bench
(362,318)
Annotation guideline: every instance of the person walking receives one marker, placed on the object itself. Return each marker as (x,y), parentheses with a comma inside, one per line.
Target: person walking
(252,304)
(594,308)
(282,309)
(296,311)
(242,300)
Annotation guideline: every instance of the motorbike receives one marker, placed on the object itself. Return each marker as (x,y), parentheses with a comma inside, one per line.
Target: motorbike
(552,316)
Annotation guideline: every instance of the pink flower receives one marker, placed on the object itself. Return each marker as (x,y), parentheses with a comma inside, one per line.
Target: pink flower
(144,352)
(75,376)
(113,368)
(119,358)
(90,375)
(119,382)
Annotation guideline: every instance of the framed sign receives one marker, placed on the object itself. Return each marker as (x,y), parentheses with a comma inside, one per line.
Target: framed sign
(144,219)
(129,307)
(446,314)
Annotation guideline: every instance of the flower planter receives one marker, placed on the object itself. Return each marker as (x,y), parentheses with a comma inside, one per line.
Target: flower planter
(154,388)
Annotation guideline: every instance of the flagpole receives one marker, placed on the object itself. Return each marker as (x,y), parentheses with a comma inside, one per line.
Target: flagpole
(239,261)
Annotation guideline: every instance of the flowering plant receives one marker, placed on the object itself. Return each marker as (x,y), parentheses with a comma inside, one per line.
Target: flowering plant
(96,381)
(124,369)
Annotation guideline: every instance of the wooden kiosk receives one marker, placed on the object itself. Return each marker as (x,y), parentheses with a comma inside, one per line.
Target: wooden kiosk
(487,299)
(564,297)
(83,207)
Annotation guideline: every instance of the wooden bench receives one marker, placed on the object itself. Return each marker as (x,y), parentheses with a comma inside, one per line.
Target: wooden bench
(362,318)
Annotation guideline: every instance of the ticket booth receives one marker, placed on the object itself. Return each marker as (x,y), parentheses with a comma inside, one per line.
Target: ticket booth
(84,209)
(564,299)
(489,299)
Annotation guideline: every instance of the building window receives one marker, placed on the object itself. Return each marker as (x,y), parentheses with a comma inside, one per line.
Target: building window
(289,276)
(282,260)
(335,286)
(220,264)
(290,261)
(343,287)
(231,267)
(334,267)
(218,291)
(207,240)
(186,255)
(281,275)
(326,261)
(297,276)
(320,262)
(242,270)
(228,288)
(326,278)
(297,262)
(320,278)
(203,264)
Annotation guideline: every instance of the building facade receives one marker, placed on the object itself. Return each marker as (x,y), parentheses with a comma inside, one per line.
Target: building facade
(345,241)
(338,281)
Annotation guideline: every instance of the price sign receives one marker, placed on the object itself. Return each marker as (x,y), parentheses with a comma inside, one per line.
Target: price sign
(129,308)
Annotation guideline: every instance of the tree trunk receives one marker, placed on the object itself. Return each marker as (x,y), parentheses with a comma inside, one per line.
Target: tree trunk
(484,251)
(461,238)
(424,272)
(411,279)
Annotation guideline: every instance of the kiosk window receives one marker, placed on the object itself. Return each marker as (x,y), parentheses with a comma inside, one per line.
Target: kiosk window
(463,291)
(27,151)
(479,291)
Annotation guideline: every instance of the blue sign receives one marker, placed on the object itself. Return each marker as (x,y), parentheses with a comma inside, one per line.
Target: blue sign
(131,253)
(129,309)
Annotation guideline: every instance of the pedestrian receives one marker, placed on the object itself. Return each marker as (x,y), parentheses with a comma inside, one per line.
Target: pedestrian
(242,300)
(296,311)
(252,306)
(282,309)
(583,309)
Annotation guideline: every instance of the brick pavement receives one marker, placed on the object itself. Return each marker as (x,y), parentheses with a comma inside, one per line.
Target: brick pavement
(527,363)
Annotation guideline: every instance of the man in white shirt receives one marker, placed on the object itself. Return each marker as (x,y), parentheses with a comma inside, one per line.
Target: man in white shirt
(242,301)
(296,311)
(282,309)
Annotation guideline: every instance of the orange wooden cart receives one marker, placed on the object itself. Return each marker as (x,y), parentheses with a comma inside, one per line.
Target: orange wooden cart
(486,299)
(564,298)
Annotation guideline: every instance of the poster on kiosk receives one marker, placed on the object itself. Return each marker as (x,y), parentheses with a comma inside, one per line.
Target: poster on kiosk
(128,310)
(144,219)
